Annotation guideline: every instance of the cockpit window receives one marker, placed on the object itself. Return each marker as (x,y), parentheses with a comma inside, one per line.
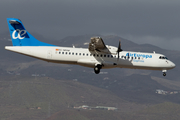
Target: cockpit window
(163,57)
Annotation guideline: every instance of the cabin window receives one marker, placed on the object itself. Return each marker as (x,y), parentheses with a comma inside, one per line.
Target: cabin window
(132,58)
(62,52)
(101,55)
(59,52)
(79,53)
(72,53)
(90,54)
(124,57)
(83,54)
(76,53)
(86,54)
(104,55)
(139,58)
(69,53)
(97,55)
(112,56)
(66,52)
(107,55)
(94,55)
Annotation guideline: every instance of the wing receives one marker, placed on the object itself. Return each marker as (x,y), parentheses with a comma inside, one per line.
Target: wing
(97,44)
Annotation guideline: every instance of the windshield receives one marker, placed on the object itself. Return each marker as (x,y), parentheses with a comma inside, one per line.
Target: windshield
(163,57)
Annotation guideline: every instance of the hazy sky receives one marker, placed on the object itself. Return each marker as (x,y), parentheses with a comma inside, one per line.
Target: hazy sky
(143,21)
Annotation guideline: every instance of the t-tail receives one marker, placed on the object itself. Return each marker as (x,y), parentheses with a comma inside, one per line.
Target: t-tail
(21,37)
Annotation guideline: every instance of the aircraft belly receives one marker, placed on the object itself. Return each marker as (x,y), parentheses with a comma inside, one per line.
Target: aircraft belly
(87,62)
(140,64)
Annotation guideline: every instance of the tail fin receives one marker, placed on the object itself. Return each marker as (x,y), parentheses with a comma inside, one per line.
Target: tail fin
(21,37)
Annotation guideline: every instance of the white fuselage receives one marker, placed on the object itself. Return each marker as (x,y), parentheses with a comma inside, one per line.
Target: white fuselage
(81,56)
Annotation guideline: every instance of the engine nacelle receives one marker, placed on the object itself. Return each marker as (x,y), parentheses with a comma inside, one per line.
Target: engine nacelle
(112,49)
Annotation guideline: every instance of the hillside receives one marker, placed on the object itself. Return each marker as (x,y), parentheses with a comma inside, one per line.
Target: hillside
(43,97)
(40,97)
(165,111)
(34,89)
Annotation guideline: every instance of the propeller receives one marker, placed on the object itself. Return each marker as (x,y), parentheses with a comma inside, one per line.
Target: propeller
(119,49)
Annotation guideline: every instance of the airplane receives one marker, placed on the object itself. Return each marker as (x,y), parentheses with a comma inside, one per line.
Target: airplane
(98,55)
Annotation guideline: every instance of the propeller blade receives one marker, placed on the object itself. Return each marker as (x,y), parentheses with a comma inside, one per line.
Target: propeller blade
(119,48)
(118,55)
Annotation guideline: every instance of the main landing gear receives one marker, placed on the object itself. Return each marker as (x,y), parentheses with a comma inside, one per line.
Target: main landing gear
(97,68)
(164,72)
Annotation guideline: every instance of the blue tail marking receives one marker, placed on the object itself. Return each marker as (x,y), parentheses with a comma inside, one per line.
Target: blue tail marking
(21,37)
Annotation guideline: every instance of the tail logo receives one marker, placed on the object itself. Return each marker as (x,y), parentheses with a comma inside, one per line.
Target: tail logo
(19,34)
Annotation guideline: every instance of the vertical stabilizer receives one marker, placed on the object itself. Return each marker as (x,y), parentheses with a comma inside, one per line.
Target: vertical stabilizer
(21,37)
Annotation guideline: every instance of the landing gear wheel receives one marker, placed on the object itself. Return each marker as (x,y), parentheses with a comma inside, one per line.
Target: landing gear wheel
(96,69)
(164,74)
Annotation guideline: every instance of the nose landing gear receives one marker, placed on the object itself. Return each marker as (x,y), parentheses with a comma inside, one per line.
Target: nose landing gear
(164,72)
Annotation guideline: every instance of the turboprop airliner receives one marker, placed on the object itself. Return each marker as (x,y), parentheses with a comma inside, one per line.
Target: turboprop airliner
(97,55)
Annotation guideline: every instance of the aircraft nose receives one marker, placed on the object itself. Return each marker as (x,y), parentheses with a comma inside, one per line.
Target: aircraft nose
(173,65)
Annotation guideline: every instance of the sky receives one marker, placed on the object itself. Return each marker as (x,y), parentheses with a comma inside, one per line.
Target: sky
(155,22)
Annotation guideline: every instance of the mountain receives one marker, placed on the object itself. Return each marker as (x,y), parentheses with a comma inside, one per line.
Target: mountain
(28,83)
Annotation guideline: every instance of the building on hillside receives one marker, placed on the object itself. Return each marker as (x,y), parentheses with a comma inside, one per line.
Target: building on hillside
(106,108)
